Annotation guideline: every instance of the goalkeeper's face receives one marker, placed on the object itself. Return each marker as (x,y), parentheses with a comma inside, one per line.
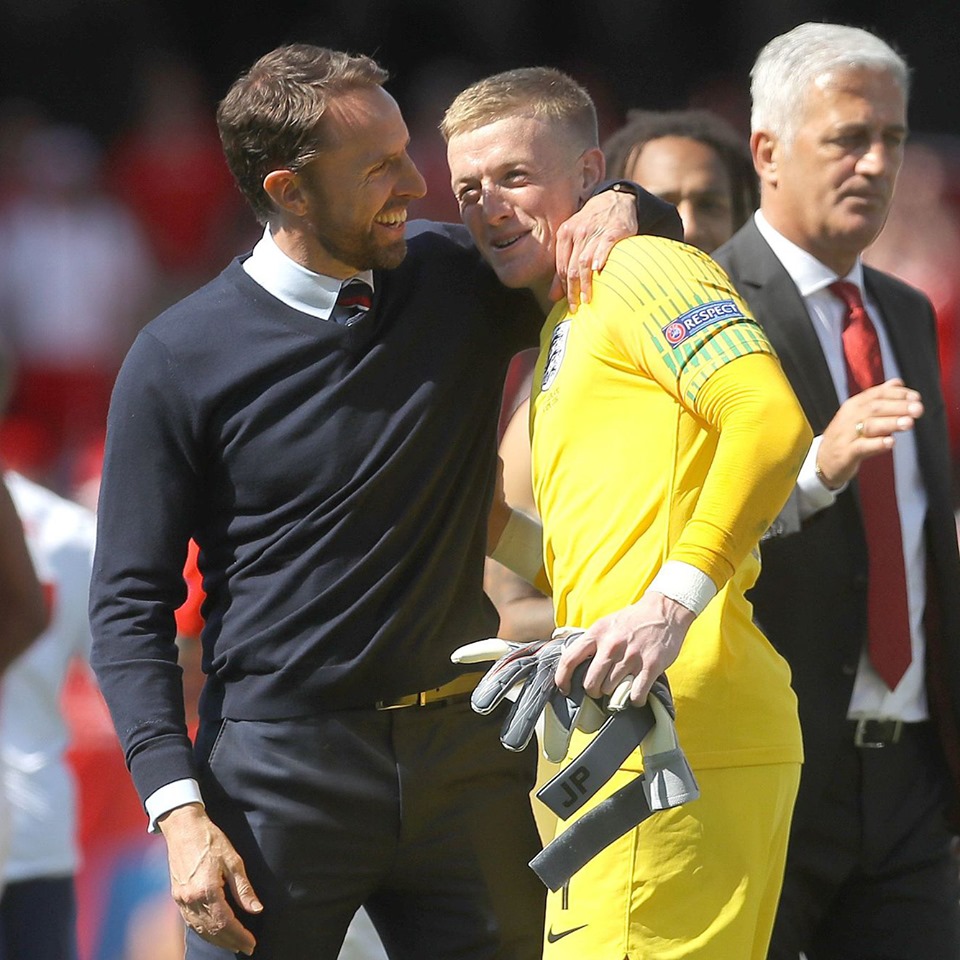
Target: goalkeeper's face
(516,180)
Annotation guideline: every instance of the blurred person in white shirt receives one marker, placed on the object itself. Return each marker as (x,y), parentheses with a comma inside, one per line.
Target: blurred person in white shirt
(38,906)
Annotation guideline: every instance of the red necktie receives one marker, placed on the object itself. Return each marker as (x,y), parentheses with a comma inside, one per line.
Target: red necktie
(888,620)
(353,302)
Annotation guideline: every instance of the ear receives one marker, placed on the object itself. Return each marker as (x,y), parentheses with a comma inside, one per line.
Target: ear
(593,166)
(765,149)
(283,188)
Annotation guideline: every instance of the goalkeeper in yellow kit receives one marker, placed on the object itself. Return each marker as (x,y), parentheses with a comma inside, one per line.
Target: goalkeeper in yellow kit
(665,440)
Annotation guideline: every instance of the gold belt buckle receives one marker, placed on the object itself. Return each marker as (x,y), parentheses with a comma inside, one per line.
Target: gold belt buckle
(411,700)
(462,684)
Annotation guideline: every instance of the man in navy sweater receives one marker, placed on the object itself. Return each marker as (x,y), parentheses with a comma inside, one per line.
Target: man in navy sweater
(336,464)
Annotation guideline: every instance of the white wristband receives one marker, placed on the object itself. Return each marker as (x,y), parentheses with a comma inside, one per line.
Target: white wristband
(685,584)
(520,547)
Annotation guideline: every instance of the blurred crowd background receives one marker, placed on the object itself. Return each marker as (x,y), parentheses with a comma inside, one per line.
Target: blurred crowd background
(115,201)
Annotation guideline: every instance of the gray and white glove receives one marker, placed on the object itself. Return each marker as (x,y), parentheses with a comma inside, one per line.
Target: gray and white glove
(525,674)
(668,779)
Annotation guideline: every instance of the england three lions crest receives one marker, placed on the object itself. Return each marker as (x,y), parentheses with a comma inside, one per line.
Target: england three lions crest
(558,347)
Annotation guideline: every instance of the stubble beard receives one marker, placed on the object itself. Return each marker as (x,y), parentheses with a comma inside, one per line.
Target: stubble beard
(362,253)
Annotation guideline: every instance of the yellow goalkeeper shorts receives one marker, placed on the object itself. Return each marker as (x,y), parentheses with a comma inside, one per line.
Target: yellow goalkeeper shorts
(701,880)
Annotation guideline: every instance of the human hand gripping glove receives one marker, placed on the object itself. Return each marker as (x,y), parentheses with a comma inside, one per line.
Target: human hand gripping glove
(624,728)
(525,674)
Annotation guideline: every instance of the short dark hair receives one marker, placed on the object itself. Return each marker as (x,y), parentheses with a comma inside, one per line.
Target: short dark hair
(623,146)
(270,116)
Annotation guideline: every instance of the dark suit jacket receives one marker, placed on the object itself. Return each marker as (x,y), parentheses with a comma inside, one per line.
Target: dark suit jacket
(810,599)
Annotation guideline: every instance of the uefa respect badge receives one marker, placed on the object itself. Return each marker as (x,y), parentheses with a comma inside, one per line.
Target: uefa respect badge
(700,317)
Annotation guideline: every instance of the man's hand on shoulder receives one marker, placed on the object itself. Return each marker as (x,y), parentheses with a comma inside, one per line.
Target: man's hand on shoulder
(585,240)
(202,863)
(865,426)
(618,209)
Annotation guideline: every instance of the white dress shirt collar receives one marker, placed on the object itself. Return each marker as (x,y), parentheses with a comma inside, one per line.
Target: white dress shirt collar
(293,284)
(807,272)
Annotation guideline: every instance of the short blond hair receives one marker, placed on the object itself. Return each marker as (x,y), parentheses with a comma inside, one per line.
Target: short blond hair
(540,92)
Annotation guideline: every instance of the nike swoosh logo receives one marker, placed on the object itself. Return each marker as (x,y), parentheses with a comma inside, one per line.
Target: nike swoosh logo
(554,937)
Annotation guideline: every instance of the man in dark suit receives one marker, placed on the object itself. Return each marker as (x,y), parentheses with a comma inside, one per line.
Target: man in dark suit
(863,598)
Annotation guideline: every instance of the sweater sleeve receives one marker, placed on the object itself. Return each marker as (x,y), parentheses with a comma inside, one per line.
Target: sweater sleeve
(144,521)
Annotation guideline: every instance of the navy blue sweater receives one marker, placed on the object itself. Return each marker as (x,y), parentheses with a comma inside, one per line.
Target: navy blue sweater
(337,480)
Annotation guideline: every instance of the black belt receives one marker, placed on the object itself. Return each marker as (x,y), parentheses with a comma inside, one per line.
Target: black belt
(870,734)
(457,690)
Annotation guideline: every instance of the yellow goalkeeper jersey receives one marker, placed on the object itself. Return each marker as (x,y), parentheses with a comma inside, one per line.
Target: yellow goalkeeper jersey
(630,397)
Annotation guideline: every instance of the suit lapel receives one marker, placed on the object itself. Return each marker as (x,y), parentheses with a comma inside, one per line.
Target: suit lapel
(773,295)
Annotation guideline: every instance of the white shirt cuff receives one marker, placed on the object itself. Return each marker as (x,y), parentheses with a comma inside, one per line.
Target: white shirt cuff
(170,796)
(685,584)
(814,496)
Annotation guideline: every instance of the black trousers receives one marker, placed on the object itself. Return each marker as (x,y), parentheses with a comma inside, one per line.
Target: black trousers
(38,919)
(870,874)
(419,814)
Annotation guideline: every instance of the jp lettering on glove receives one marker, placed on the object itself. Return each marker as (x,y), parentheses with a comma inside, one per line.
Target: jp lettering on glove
(620,734)
(667,781)
(524,673)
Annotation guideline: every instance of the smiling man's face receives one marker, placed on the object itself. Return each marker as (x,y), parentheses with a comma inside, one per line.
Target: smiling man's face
(358,188)
(516,181)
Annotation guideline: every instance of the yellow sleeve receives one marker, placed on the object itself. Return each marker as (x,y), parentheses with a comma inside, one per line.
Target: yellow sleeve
(672,311)
(764,437)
